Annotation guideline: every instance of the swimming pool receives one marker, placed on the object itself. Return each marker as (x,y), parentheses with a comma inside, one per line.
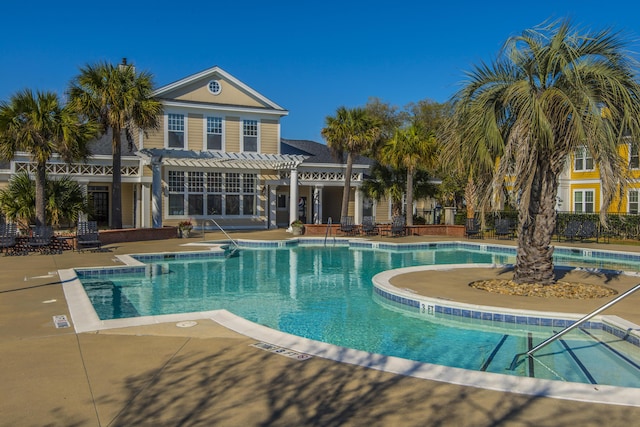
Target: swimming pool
(326,294)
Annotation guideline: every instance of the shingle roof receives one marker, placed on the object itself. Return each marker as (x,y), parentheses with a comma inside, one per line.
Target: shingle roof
(317,152)
(102,145)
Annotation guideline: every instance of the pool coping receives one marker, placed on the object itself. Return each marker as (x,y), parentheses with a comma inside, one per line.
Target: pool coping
(85,319)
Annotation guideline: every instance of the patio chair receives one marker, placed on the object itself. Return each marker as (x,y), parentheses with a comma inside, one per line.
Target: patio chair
(503,229)
(40,239)
(8,238)
(369,226)
(347,226)
(588,230)
(472,229)
(87,236)
(397,226)
(571,231)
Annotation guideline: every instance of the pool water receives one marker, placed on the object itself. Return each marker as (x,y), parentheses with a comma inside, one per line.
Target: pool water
(325,294)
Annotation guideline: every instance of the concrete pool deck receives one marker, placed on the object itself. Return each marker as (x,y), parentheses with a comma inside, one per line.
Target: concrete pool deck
(209,375)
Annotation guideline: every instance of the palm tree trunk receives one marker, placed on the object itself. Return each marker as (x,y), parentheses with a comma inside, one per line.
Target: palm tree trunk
(116,185)
(41,182)
(409,213)
(534,259)
(347,186)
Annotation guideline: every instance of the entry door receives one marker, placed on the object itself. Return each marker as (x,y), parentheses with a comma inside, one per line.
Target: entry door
(99,204)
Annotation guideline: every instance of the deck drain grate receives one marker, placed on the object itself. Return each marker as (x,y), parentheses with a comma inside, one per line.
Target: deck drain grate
(281,351)
(61,321)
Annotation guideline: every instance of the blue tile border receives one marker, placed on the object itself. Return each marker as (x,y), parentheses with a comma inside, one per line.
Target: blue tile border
(500,317)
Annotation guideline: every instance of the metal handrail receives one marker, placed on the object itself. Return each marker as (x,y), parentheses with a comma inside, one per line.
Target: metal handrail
(221,229)
(584,319)
(328,230)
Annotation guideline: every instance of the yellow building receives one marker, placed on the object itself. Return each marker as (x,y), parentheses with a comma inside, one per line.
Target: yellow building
(580,187)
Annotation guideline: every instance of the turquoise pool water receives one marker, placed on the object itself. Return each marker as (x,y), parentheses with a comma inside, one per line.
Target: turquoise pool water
(325,294)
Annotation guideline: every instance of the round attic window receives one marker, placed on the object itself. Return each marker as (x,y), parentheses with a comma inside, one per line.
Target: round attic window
(214,87)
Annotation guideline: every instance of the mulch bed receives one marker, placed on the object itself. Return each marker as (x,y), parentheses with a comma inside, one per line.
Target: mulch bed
(560,289)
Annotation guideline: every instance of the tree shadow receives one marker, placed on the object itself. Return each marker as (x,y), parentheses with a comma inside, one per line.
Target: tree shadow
(238,385)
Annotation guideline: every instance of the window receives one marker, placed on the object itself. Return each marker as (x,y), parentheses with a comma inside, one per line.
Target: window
(634,159)
(176,193)
(583,201)
(281,202)
(175,126)
(195,189)
(214,87)
(250,135)
(633,202)
(212,193)
(214,133)
(582,160)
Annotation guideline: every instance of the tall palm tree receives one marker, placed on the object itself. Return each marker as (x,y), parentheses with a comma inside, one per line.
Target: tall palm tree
(518,119)
(119,99)
(39,125)
(352,131)
(388,182)
(411,149)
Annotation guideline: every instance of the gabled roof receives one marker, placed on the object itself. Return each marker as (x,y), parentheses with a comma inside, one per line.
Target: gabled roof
(211,72)
(317,152)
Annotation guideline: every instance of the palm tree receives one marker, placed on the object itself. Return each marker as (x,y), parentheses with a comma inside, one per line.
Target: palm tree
(39,125)
(410,149)
(351,131)
(520,117)
(119,99)
(65,199)
(388,182)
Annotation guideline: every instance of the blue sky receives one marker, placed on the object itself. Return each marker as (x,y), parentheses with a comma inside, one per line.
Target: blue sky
(309,57)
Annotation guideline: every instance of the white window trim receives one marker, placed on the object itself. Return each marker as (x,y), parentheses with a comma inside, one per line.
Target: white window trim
(629,148)
(258,144)
(584,191)
(185,195)
(584,160)
(637,191)
(204,132)
(186,130)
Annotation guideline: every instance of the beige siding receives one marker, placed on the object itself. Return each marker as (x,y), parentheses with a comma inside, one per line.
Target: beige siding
(232,135)
(155,138)
(230,95)
(127,205)
(269,136)
(195,131)
(382,211)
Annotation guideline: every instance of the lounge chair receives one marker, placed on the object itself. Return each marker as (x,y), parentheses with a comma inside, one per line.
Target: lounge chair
(347,226)
(40,239)
(473,229)
(87,236)
(398,227)
(8,238)
(369,226)
(503,229)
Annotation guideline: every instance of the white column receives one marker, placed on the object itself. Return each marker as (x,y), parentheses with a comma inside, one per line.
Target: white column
(156,200)
(293,274)
(145,205)
(272,206)
(84,186)
(293,196)
(317,204)
(357,211)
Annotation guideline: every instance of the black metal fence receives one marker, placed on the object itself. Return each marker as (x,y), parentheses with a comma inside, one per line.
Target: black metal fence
(619,226)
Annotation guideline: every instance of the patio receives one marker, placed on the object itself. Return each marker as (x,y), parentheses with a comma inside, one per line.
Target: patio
(208,375)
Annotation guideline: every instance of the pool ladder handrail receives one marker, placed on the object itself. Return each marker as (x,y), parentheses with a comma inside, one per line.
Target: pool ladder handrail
(204,232)
(329,231)
(582,320)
